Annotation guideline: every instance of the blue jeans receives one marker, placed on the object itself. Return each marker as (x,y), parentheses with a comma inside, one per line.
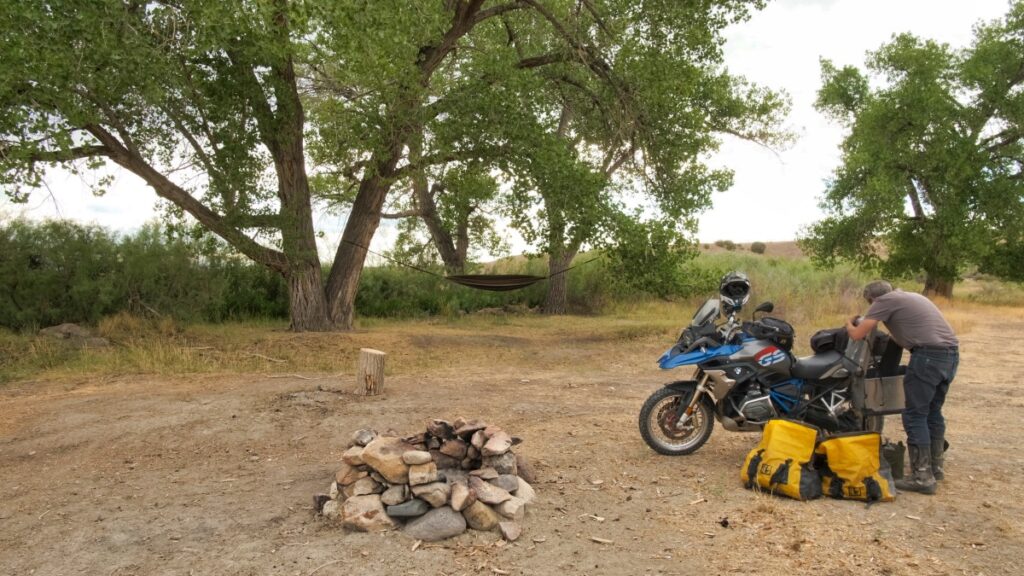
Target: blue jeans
(925,384)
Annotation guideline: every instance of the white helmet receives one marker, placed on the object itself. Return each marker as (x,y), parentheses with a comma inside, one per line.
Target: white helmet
(734,289)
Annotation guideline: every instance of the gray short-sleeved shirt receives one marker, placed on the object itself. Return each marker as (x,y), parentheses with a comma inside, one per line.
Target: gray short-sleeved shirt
(912,319)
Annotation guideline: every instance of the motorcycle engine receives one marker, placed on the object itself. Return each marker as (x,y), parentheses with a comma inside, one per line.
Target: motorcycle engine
(757,407)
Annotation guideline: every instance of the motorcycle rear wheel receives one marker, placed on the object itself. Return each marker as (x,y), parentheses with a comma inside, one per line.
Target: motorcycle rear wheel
(658,418)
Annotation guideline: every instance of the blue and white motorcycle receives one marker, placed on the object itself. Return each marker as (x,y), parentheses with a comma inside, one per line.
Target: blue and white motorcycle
(745,376)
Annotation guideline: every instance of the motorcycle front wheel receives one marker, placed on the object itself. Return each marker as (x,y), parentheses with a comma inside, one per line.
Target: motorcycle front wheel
(658,418)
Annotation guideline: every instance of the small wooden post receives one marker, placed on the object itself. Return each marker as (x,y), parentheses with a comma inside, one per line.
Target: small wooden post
(370,377)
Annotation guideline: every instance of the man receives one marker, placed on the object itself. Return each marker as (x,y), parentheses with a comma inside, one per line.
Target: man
(917,325)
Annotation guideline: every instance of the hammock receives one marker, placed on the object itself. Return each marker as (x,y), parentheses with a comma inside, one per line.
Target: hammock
(492,282)
(496,282)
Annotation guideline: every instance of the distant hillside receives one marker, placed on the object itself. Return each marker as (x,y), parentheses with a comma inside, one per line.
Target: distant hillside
(776,249)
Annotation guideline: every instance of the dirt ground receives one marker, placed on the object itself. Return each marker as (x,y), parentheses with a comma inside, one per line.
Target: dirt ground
(215,474)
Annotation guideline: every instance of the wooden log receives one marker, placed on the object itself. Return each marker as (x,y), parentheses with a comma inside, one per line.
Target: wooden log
(370,377)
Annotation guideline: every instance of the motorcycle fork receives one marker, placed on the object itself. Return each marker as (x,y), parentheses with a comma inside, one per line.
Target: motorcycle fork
(684,414)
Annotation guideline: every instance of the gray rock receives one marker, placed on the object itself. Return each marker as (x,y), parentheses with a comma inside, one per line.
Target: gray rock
(384,454)
(437,524)
(65,331)
(366,514)
(480,516)
(472,452)
(395,495)
(363,437)
(525,470)
(507,482)
(504,463)
(470,427)
(422,473)
(362,487)
(510,530)
(440,429)
(462,496)
(331,509)
(488,493)
(410,509)
(353,456)
(414,457)
(513,508)
(444,461)
(436,493)
(525,492)
(333,491)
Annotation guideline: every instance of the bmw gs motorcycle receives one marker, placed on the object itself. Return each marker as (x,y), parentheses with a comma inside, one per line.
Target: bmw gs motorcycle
(746,376)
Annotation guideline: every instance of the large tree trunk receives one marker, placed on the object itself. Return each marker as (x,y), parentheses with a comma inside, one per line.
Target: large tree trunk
(558,281)
(453,256)
(937,286)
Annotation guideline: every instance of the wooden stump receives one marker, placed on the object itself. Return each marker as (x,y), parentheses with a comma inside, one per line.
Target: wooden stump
(370,377)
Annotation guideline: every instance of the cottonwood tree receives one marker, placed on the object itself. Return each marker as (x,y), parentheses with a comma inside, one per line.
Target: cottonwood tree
(931,179)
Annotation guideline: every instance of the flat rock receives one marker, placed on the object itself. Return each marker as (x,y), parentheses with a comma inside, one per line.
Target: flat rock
(384,454)
(443,460)
(470,427)
(440,429)
(510,530)
(410,509)
(333,491)
(353,456)
(478,439)
(437,524)
(456,448)
(436,493)
(468,463)
(395,495)
(480,516)
(503,463)
(65,331)
(414,457)
(484,473)
(362,487)
(525,470)
(497,444)
(525,492)
(462,496)
(363,437)
(513,508)
(422,473)
(472,452)
(492,430)
(486,492)
(348,474)
(509,482)
(366,514)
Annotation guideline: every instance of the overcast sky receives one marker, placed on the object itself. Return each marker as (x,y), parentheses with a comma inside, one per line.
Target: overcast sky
(774,195)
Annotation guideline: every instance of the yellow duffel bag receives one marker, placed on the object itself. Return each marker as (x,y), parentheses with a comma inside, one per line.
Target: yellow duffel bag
(781,461)
(853,468)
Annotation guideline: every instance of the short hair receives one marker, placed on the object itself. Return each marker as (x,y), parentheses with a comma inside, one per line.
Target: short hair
(876,289)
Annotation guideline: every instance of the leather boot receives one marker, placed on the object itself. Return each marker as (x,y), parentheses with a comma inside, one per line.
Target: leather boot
(921,478)
(938,458)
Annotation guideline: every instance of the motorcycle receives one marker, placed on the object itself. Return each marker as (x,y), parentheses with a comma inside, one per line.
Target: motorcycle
(746,376)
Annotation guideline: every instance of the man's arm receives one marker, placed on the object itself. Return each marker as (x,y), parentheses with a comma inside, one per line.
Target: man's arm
(862,329)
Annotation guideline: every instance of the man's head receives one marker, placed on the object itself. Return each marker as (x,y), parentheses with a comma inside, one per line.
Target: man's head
(876,289)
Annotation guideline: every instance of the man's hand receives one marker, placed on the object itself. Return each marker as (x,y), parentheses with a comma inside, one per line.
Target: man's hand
(858,328)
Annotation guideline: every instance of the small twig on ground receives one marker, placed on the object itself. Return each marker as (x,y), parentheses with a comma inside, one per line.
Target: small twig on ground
(267,358)
(45,513)
(299,376)
(317,569)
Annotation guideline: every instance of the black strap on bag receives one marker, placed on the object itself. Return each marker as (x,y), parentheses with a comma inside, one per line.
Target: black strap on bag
(781,475)
(755,463)
(874,490)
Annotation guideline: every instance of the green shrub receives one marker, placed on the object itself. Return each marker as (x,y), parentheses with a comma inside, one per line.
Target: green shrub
(758,247)
(727,244)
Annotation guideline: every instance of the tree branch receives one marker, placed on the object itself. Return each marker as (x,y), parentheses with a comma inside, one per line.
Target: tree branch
(77,153)
(497,11)
(402,214)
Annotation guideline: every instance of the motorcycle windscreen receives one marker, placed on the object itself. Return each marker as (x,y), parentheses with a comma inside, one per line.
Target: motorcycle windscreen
(707,313)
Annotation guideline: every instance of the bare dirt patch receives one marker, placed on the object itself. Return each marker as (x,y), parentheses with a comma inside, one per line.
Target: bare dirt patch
(214,474)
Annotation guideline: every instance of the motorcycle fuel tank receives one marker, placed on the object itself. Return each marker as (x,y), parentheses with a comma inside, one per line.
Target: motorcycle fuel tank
(771,358)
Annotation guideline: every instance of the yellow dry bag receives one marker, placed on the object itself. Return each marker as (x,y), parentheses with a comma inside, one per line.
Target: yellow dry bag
(781,462)
(853,468)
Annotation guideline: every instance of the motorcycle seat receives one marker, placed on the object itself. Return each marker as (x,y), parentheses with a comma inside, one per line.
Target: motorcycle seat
(814,367)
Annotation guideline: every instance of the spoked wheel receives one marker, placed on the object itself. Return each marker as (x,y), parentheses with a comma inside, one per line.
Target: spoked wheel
(658,424)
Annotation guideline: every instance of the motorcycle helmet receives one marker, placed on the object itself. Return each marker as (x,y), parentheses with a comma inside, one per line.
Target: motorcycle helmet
(734,289)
